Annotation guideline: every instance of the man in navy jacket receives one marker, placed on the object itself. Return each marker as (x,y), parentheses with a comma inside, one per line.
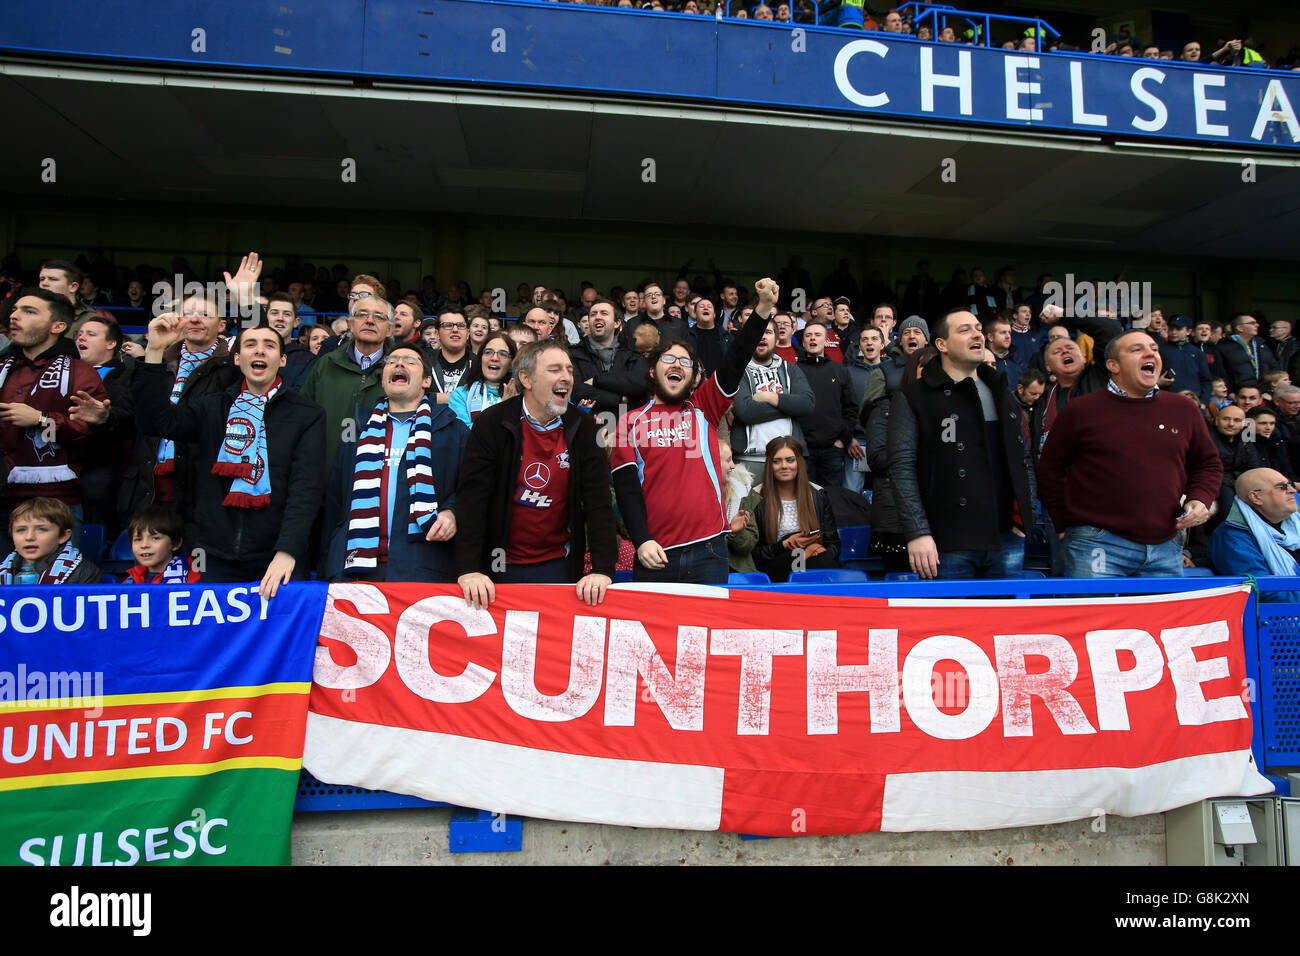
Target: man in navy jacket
(1184,361)
(406,377)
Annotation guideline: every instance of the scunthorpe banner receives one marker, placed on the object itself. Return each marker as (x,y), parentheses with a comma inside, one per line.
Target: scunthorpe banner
(776,714)
(152,725)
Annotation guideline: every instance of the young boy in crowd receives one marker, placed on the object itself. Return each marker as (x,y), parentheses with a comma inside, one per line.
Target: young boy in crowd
(41,529)
(521,334)
(157,539)
(1219,396)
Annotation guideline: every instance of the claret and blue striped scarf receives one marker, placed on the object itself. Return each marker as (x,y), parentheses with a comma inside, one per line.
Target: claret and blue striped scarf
(243,455)
(367,527)
(185,367)
(67,560)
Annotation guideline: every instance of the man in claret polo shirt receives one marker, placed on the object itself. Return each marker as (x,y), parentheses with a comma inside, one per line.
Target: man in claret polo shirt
(666,466)
(533,493)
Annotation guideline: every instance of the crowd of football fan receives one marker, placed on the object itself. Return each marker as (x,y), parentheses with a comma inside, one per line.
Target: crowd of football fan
(856,15)
(679,431)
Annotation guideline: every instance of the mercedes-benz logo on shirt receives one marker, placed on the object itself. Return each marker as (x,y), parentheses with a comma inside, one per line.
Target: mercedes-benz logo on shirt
(537,476)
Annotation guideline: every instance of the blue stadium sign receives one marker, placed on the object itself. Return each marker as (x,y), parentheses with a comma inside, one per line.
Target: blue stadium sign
(562,47)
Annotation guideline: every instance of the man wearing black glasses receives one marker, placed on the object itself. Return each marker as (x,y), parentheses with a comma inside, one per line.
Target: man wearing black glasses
(654,313)
(391,498)
(452,360)
(665,460)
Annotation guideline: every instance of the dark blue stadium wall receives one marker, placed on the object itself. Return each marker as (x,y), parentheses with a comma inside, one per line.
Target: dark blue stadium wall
(513,43)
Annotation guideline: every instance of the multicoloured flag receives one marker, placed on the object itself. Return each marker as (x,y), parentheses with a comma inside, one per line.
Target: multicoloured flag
(154,724)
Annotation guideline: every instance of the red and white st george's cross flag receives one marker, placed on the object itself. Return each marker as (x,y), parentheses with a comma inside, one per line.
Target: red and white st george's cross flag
(768,713)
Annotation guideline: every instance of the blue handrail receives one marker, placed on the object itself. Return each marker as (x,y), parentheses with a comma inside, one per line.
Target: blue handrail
(936,15)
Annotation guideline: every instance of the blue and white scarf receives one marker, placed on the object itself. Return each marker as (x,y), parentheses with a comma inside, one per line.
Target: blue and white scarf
(65,562)
(481,396)
(177,571)
(1275,544)
(185,367)
(367,527)
(243,455)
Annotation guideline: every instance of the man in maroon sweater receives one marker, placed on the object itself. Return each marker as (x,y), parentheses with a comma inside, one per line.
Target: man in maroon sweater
(1125,470)
(42,382)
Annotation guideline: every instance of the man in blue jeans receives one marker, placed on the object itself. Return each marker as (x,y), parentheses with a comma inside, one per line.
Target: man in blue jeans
(666,467)
(960,462)
(1126,470)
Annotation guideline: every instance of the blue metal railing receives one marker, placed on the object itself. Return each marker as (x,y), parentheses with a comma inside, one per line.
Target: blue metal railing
(937,15)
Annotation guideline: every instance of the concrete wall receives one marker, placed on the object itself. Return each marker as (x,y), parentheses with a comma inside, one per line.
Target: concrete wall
(419,837)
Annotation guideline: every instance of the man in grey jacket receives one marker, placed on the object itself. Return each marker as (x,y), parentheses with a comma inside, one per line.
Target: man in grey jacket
(772,395)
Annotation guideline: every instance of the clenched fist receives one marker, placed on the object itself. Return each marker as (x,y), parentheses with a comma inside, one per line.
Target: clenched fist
(768,292)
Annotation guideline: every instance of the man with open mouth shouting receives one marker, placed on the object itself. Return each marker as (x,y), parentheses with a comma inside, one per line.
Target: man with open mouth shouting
(389,506)
(1151,443)
(534,488)
(666,468)
(259,465)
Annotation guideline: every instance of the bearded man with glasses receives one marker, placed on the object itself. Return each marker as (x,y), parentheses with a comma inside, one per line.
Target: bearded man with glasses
(665,463)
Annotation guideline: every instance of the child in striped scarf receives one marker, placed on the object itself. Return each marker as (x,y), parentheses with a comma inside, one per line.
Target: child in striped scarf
(43,554)
(157,541)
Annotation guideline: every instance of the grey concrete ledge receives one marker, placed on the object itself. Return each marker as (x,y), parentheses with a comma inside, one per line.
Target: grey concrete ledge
(419,838)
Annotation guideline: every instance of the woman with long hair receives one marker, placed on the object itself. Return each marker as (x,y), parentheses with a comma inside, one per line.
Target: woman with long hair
(488,380)
(479,327)
(316,336)
(796,529)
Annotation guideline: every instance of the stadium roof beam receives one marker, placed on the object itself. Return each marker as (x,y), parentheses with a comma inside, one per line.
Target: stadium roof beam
(148,136)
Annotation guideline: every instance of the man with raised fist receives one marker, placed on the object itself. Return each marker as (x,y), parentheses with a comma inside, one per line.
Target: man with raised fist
(259,452)
(666,465)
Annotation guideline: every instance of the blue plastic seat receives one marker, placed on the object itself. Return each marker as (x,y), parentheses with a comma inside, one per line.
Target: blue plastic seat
(91,542)
(120,558)
(828,576)
(1197,573)
(621,576)
(854,541)
(902,576)
(748,577)
(121,550)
